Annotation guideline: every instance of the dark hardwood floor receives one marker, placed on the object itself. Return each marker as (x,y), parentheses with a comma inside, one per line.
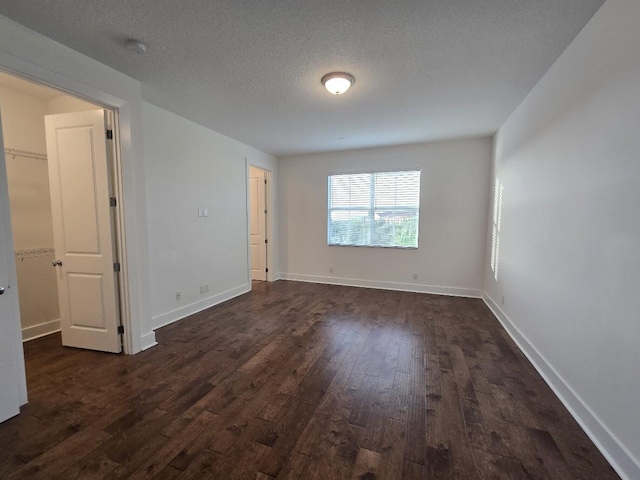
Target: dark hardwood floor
(301,381)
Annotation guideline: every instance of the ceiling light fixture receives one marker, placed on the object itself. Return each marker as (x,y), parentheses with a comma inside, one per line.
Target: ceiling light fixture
(337,82)
(136,46)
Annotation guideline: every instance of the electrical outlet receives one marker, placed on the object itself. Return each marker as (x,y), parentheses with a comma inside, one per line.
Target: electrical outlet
(330,269)
(205,212)
(206,287)
(502,299)
(178,295)
(415,276)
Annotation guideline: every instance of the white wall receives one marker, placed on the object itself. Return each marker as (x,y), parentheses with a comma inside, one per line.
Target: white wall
(453,210)
(188,166)
(569,159)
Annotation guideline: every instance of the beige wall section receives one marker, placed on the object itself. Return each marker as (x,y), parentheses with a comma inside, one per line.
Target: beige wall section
(453,206)
(30,201)
(28,179)
(68,104)
(23,129)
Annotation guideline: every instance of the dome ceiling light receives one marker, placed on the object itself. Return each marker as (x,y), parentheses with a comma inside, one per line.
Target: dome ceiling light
(337,82)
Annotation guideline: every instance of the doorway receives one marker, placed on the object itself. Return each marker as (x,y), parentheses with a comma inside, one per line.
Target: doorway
(259,186)
(60,160)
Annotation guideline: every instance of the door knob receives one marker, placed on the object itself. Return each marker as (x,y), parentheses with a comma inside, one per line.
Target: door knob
(57,263)
(1,289)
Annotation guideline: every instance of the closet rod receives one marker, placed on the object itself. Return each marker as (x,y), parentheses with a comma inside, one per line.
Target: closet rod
(13,152)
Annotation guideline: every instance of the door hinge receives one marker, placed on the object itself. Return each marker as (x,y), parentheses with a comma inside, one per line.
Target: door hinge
(109,134)
(266,270)
(116,267)
(266,241)
(112,201)
(265,211)
(121,329)
(265,181)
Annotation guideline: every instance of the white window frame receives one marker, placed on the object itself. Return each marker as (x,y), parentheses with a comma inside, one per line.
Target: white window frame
(497,224)
(371,209)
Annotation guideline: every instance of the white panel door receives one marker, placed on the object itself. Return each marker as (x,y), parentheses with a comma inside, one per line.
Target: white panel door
(257,223)
(82,229)
(10,345)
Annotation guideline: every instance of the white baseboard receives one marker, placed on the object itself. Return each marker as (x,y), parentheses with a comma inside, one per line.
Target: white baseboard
(182,312)
(40,330)
(404,287)
(616,454)
(148,340)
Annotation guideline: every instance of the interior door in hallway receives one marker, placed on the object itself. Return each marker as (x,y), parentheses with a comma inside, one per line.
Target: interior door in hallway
(10,345)
(83,229)
(258,223)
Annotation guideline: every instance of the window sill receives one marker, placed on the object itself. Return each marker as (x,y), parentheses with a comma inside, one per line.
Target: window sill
(371,246)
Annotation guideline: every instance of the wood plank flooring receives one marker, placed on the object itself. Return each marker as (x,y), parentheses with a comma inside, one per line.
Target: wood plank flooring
(301,381)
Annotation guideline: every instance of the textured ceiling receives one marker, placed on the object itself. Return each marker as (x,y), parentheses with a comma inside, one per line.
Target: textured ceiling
(425,69)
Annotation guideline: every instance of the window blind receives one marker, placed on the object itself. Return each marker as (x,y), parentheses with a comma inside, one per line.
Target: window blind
(497,222)
(374,209)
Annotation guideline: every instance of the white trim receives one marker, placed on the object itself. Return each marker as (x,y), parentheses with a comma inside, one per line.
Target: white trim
(40,330)
(616,454)
(148,340)
(119,234)
(403,287)
(182,312)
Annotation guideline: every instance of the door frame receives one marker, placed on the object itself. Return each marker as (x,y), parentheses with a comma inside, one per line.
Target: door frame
(117,225)
(269,220)
(121,114)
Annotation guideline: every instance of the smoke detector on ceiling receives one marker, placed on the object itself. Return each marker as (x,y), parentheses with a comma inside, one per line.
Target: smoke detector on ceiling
(136,46)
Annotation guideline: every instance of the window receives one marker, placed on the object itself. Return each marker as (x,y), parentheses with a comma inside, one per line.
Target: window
(374,209)
(497,221)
